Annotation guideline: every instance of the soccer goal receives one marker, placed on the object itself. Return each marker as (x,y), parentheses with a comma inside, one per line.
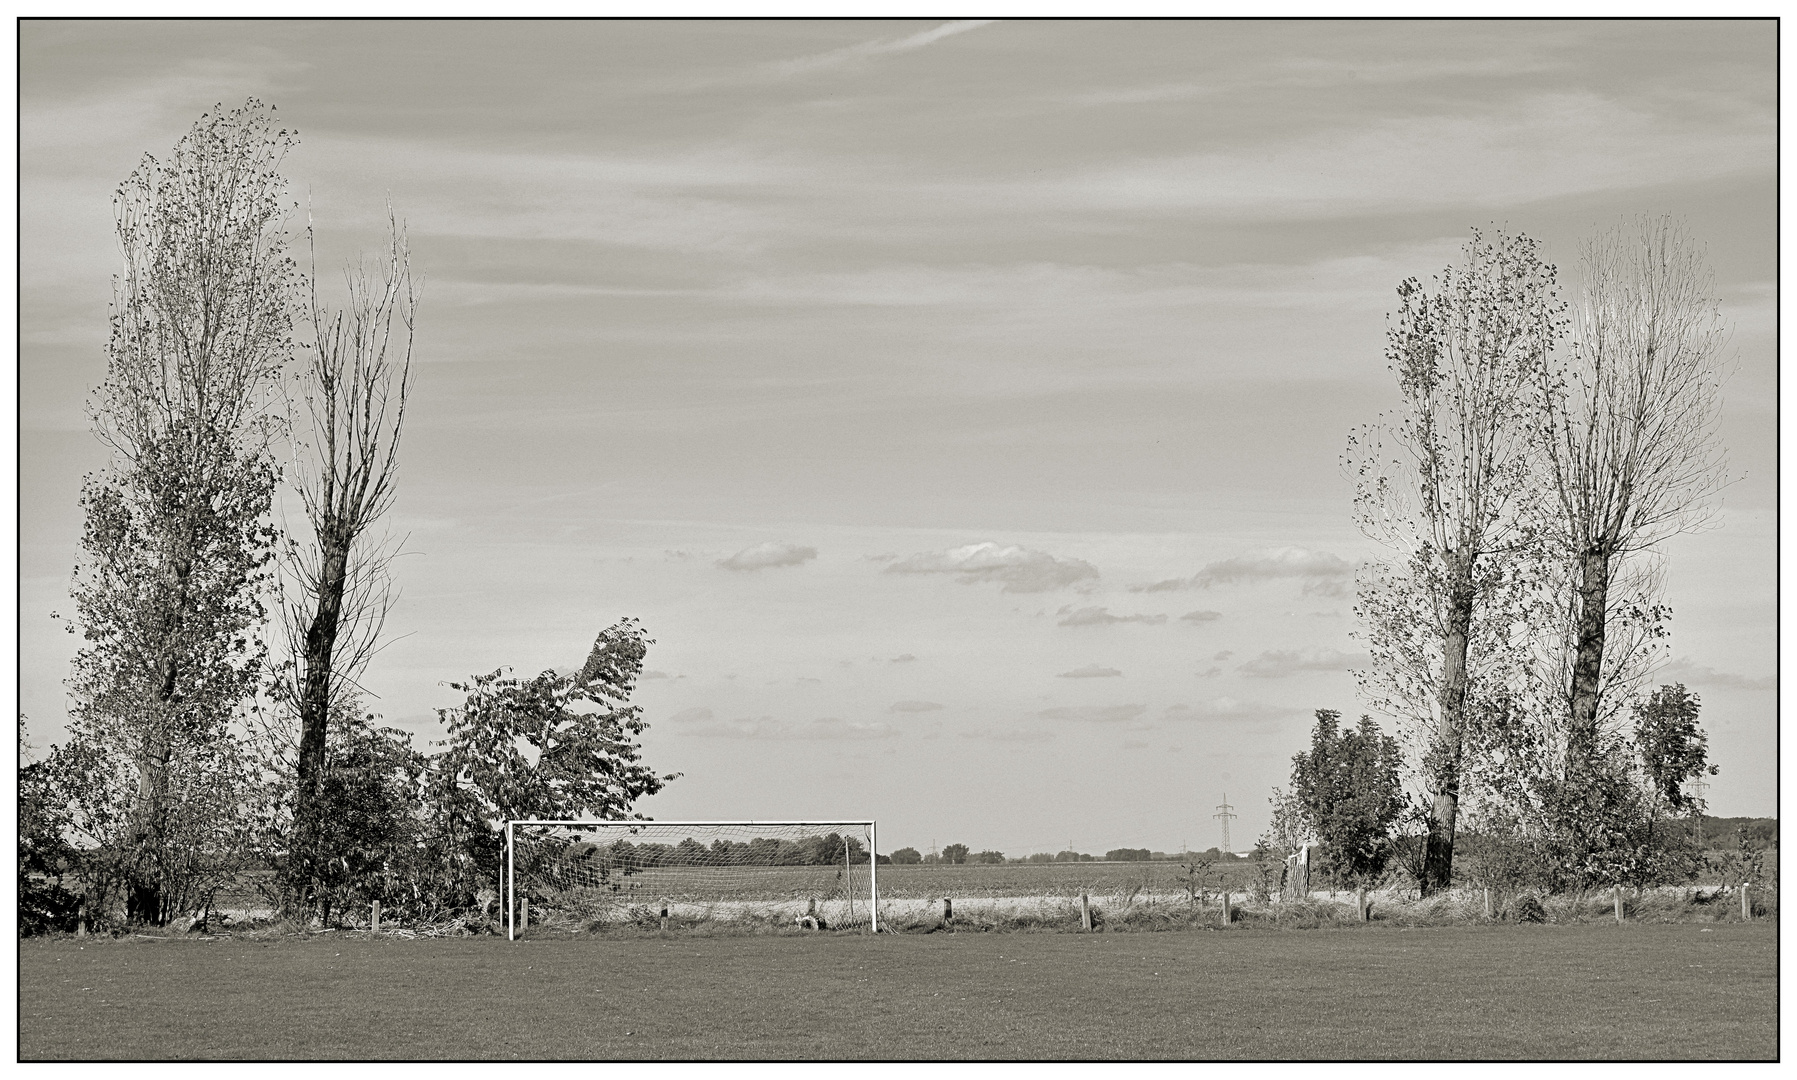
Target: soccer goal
(582,875)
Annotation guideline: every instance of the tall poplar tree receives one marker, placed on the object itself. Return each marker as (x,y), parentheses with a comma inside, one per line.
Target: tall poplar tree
(1441,482)
(177,545)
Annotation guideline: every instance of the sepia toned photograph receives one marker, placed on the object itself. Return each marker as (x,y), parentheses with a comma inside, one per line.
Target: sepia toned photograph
(912,540)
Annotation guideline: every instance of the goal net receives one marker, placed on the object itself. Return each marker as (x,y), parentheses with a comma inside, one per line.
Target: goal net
(584,875)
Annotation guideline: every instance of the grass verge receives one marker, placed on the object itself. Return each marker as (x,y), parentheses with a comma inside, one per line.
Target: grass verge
(1592,990)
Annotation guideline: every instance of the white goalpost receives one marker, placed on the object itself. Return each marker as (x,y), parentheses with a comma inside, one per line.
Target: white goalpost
(586,875)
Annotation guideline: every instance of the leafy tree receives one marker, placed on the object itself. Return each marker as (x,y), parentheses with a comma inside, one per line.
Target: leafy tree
(1672,746)
(176,545)
(355,384)
(907,856)
(1128,855)
(989,858)
(1350,793)
(955,853)
(374,822)
(1631,451)
(1616,818)
(46,858)
(555,747)
(1438,616)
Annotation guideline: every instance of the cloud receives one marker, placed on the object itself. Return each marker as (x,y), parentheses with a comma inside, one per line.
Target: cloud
(1094,714)
(1227,708)
(1201,616)
(1097,616)
(1223,654)
(823,728)
(1280,663)
(867,50)
(1010,735)
(762,556)
(691,716)
(1323,573)
(1020,569)
(1090,671)
(905,658)
(655,675)
(1210,672)
(914,706)
(1683,670)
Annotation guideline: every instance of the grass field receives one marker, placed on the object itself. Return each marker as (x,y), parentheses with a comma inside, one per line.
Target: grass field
(1050,879)
(1580,991)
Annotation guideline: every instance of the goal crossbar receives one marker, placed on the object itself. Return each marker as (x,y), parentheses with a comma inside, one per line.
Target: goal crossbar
(508,898)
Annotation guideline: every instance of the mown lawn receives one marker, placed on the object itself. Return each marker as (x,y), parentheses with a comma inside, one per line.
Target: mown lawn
(1581,991)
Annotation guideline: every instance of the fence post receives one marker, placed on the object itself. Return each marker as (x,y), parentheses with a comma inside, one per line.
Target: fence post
(948,912)
(81,920)
(1360,903)
(1085,913)
(1488,911)
(1616,891)
(1227,917)
(1746,905)
(523,903)
(374,918)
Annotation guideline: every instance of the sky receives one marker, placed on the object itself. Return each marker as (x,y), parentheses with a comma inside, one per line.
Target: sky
(959,405)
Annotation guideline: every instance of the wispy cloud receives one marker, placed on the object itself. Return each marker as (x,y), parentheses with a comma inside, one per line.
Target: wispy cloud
(1683,670)
(1280,663)
(770,554)
(914,706)
(1097,616)
(1201,616)
(867,50)
(1227,708)
(1009,735)
(1021,570)
(766,727)
(1323,573)
(1090,671)
(1094,714)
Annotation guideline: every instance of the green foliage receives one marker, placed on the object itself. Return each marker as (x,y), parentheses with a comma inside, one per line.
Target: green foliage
(906,856)
(1348,789)
(955,853)
(1743,864)
(988,858)
(1672,747)
(1128,855)
(376,817)
(176,544)
(555,747)
(1721,833)
(46,858)
(1620,816)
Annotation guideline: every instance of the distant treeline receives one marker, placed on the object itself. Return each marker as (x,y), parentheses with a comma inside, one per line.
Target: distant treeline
(1720,832)
(956,854)
(830,849)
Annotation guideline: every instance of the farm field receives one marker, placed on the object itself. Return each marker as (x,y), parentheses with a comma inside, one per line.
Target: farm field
(1051,879)
(1578,991)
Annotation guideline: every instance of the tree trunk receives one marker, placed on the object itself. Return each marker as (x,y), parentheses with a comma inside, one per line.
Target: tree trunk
(1588,659)
(145,896)
(314,715)
(1444,756)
